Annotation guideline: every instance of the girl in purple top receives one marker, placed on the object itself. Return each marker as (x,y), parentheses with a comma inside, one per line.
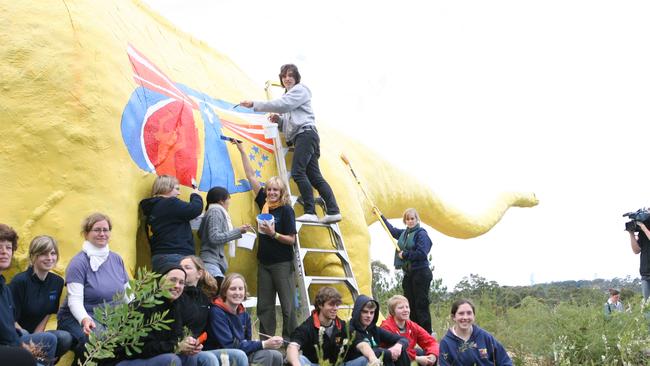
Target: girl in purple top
(93,277)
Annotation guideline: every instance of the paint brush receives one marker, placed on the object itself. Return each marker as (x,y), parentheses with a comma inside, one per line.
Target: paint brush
(268,336)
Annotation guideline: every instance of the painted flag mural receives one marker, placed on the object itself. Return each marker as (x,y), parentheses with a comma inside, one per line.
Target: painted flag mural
(170,128)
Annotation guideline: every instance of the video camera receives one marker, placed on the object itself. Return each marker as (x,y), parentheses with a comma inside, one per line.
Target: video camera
(642,214)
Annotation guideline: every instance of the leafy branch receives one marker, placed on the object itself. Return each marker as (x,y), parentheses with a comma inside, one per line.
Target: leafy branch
(124,324)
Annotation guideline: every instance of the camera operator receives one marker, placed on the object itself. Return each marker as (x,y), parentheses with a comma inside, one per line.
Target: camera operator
(641,244)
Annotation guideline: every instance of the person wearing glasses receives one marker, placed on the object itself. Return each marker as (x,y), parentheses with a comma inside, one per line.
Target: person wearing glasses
(296,119)
(92,278)
(168,221)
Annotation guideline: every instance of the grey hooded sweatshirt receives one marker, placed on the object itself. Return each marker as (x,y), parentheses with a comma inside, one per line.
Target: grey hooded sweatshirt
(294,108)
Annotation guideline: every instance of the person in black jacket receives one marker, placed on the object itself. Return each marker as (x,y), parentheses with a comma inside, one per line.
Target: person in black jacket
(10,339)
(165,347)
(37,292)
(323,331)
(641,245)
(168,222)
(367,336)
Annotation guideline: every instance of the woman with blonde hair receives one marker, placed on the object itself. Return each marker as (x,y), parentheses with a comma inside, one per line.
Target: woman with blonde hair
(275,272)
(168,221)
(230,326)
(37,292)
(412,258)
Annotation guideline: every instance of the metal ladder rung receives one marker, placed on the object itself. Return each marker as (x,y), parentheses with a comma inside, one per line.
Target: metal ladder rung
(318,250)
(340,253)
(317,200)
(310,223)
(334,226)
(323,280)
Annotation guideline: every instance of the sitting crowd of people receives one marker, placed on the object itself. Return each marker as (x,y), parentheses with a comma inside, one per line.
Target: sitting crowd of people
(207,301)
(220,328)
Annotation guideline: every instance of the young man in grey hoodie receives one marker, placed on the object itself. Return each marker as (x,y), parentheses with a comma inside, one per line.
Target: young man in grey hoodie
(296,120)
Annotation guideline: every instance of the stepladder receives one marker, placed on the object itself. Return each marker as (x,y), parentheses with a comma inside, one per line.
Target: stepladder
(320,263)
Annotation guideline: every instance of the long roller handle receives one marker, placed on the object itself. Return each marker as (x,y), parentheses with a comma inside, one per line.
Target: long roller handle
(375,210)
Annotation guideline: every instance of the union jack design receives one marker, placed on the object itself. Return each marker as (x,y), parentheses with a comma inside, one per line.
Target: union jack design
(162,136)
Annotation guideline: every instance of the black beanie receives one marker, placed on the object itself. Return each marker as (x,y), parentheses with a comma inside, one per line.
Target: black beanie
(165,268)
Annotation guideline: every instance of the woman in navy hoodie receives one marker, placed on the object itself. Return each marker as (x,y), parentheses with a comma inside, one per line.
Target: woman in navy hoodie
(465,344)
(168,222)
(229,325)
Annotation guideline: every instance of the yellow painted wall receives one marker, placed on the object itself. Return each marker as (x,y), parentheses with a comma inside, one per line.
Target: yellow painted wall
(65,79)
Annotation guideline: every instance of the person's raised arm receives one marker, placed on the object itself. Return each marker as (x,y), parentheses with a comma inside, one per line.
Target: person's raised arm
(289,101)
(189,210)
(395,232)
(248,169)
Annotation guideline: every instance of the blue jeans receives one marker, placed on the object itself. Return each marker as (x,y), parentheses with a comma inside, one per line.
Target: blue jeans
(306,173)
(45,340)
(236,357)
(166,359)
(63,340)
(359,361)
(304,361)
(158,261)
(645,288)
(68,323)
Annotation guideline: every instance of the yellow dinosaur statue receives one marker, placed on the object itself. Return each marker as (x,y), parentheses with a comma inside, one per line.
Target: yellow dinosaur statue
(100,96)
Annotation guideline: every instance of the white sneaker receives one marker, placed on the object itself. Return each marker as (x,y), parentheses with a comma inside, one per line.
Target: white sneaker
(307,218)
(329,219)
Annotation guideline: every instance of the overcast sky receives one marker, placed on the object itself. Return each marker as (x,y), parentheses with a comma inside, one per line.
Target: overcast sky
(475,97)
